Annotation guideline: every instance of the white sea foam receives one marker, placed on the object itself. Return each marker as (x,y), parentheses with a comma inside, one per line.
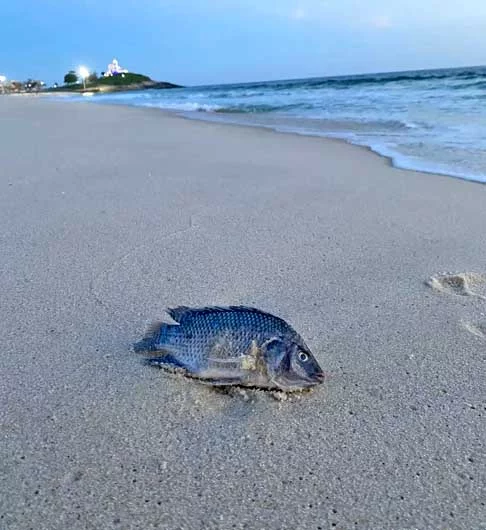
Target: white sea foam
(184,106)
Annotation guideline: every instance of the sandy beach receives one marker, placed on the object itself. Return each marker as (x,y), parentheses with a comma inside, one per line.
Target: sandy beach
(110,214)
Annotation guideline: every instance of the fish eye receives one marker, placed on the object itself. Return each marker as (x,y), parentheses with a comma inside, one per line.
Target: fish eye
(303,356)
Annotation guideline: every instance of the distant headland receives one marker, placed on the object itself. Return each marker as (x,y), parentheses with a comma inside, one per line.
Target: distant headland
(128,81)
(114,79)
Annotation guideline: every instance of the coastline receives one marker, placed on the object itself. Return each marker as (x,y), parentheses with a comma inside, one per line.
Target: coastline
(393,159)
(389,159)
(109,217)
(396,160)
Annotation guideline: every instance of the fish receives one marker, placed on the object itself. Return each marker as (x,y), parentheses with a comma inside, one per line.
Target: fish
(233,345)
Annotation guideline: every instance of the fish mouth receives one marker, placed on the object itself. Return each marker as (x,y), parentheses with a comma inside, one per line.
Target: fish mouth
(290,384)
(314,379)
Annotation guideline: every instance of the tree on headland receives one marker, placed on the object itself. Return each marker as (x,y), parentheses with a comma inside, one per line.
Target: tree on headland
(92,78)
(70,77)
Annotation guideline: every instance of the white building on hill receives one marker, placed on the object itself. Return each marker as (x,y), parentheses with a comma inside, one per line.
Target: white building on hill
(115,69)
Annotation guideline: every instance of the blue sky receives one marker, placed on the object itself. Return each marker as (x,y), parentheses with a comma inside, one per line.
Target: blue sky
(214,41)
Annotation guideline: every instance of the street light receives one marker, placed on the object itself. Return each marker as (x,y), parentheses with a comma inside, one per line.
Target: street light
(83,73)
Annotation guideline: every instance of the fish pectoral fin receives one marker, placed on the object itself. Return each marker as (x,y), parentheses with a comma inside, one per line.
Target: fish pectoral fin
(225,362)
(220,377)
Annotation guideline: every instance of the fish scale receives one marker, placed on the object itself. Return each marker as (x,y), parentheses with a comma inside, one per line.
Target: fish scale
(199,331)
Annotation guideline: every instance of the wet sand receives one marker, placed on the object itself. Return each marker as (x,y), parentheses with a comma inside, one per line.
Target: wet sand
(109,215)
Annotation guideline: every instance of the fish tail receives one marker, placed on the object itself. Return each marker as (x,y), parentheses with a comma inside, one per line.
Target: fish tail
(153,337)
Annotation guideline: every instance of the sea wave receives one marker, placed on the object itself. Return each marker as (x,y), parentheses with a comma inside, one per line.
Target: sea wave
(195,106)
(186,107)
(379,79)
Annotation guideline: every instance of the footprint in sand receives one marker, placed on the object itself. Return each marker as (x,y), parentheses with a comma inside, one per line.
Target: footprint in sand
(462,284)
(477,328)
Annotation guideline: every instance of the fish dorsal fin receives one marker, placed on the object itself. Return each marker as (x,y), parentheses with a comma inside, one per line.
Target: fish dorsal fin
(153,329)
(178,313)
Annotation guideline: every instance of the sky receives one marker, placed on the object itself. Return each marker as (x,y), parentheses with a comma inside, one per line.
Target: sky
(196,42)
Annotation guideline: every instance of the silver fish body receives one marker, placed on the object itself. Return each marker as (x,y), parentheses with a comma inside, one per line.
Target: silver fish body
(232,346)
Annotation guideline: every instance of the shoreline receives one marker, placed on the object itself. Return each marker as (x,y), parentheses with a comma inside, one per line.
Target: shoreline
(185,115)
(392,158)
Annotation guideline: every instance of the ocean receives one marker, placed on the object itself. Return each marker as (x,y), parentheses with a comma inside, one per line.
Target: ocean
(427,120)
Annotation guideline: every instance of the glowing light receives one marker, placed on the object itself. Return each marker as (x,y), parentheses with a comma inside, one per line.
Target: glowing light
(2,79)
(83,72)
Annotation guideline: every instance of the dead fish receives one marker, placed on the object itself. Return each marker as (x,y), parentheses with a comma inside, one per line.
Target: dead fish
(232,346)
